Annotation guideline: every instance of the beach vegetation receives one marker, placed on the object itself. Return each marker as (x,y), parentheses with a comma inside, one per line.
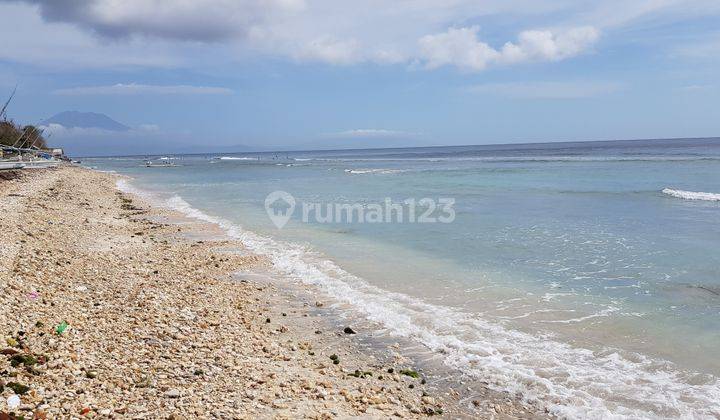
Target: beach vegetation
(13,134)
(411,373)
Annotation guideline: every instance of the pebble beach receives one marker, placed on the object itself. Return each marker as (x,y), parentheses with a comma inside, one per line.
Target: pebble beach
(114,308)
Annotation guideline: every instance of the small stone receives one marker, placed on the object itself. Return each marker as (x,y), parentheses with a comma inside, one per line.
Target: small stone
(13,402)
(173,393)
(91,374)
(349,330)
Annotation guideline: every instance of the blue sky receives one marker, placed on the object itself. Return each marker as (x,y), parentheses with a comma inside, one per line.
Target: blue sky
(312,74)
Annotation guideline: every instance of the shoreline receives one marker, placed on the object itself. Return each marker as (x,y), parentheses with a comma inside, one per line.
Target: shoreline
(134,279)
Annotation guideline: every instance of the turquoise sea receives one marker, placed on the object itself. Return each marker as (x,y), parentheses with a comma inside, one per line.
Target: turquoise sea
(584,275)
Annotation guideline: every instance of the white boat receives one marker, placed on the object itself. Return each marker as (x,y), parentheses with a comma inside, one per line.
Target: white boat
(7,165)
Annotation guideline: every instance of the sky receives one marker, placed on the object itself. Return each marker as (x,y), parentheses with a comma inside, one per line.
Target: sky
(309,74)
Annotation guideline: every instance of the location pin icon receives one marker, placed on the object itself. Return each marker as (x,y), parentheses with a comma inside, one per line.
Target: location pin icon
(279,206)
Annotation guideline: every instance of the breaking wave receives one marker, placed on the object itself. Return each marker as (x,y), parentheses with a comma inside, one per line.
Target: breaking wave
(691,195)
(236,158)
(374,171)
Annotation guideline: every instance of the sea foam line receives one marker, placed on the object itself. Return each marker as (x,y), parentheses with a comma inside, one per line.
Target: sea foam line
(691,195)
(571,382)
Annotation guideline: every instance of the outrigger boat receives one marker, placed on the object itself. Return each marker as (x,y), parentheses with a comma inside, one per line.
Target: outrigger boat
(161,164)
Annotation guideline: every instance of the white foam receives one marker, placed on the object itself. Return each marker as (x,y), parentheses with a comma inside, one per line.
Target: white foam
(373,171)
(237,158)
(691,195)
(571,382)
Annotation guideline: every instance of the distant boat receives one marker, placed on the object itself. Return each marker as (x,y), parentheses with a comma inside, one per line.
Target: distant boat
(163,164)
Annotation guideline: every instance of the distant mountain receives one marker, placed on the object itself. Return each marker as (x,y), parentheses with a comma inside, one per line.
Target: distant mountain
(73,119)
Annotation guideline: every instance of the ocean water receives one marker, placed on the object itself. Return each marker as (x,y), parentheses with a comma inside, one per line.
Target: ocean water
(585,276)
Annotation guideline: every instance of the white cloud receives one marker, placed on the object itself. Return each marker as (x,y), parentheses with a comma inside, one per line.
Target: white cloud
(184,33)
(547,90)
(460,47)
(61,46)
(59,131)
(329,50)
(371,132)
(196,20)
(140,89)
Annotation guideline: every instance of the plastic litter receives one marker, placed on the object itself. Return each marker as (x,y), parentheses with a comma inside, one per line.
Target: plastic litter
(61,327)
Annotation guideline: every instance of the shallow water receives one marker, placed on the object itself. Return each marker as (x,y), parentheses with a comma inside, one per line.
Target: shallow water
(586,275)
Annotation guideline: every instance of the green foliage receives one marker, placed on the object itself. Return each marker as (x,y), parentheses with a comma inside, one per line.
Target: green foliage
(27,136)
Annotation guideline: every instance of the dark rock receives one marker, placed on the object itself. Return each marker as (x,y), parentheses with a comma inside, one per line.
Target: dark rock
(349,330)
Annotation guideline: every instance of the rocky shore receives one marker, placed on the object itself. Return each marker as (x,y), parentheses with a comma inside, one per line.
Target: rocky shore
(113,308)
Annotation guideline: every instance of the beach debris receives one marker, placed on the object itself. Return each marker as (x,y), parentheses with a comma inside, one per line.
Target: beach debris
(433,411)
(349,330)
(33,295)
(11,342)
(335,359)
(13,402)
(411,373)
(60,328)
(91,374)
(18,388)
(318,304)
(360,374)
(22,359)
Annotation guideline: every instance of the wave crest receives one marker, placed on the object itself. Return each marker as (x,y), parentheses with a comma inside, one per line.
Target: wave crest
(691,195)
